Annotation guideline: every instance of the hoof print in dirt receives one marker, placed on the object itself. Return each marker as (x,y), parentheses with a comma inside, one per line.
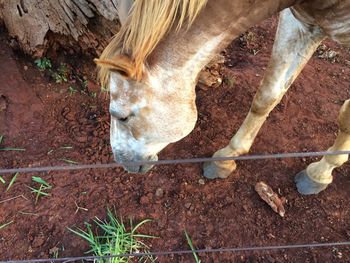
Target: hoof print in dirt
(271,198)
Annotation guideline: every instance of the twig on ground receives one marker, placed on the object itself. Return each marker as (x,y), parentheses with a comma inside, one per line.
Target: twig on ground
(27,213)
(13,198)
(79,208)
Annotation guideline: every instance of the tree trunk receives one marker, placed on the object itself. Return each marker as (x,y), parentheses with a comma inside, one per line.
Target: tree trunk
(80,25)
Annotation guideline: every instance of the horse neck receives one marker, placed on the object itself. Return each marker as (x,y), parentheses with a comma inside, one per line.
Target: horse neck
(181,55)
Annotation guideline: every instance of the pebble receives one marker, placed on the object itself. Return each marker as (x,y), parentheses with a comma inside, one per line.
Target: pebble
(144,200)
(188,205)
(159,192)
(25,68)
(81,139)
(201,181)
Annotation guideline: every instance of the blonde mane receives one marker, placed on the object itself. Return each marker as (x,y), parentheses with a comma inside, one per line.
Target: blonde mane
(149,21)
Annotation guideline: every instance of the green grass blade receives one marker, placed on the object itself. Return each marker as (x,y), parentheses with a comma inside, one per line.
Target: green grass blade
(33,189)
(6,224)
(140,224)
(82,234)
(1,138)
(41,181)
(13,149)
(68,161)
(12,181)
(2,180)
(189,241)
(144,236)
(67,147)
(38,191)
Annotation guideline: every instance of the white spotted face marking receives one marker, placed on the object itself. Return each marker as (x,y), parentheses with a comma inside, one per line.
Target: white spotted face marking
(144,120)
(146,116)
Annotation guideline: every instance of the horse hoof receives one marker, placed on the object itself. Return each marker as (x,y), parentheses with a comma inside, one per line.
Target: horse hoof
(306,185)
(213,171)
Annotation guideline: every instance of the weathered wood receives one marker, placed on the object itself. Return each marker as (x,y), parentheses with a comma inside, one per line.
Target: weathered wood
(37,25)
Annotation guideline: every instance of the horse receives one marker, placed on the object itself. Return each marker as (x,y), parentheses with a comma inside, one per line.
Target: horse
(151,68)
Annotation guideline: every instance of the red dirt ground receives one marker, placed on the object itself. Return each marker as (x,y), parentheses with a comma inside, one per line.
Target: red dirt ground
(42,116)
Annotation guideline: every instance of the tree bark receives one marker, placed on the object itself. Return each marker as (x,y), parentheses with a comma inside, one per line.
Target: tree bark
(81,25)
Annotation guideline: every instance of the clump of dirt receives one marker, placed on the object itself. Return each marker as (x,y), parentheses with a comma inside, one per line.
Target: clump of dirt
(55,124)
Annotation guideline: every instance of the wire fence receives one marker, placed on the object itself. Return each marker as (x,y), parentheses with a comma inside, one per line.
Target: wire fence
(184,252)
(173,162)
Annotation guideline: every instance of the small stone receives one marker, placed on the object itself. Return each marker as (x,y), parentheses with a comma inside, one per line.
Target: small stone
(339,254)
(144,200)
(202,218)
(246,208)
(201,181)
(188,205)
(25,68)
(271,236)
(30,249)
(81,139)
(159,192)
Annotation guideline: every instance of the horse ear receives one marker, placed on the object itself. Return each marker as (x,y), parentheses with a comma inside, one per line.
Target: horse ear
(120,63)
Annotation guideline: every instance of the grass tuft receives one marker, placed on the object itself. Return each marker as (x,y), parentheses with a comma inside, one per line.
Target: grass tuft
(42,190)
(43,63)
(72,90)
(115,239)
(62,74)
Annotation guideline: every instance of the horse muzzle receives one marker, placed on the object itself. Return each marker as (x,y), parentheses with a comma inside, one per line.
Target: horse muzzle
(130,167)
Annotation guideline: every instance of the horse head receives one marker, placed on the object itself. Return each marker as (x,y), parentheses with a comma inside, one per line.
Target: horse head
(147,113)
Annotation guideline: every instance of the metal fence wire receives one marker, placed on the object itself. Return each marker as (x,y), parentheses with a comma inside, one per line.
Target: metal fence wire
(173,162)
(184,252)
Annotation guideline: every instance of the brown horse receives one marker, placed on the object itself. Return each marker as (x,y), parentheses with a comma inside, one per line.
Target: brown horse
(151,69)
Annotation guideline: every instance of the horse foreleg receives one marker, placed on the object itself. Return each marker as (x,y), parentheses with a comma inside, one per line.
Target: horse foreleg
(318,175)
(294,44)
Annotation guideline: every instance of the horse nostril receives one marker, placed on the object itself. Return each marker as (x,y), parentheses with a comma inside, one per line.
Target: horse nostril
(123,119)
(126,119)
(121,116)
